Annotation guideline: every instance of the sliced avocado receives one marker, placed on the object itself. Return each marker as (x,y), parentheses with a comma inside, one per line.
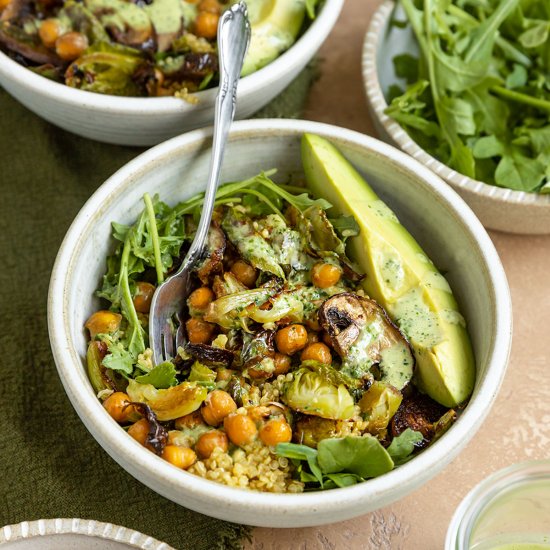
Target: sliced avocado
(275,25)
(399,275)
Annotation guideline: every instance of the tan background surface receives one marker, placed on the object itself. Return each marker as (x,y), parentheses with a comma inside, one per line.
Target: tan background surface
(519,424)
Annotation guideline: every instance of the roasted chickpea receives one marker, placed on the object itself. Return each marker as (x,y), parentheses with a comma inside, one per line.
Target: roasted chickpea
(212,6)
(206,24)
(240,428)
(246,274)
(139,430)
(291,339)
(117,405)
(199,331)
(258,373)
(71,45)
(327,339)
(201,297)
(209,441)
(217,405)
(182,457)
(317,352)
(312,337)
(103,322)
(143,296)
(189,421)
(275,431)
(325,275)
(49,32)
(282,363)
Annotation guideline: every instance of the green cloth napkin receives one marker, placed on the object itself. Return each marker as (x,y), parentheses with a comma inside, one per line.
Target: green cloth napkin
(50,465)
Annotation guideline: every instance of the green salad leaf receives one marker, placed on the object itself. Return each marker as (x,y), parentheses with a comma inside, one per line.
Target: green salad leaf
(402,446)
(162,376)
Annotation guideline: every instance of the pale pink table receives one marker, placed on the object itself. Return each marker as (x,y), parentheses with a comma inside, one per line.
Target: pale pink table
(518,427)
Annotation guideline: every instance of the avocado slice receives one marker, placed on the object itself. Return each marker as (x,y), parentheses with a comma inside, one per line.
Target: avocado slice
(275,26)
(399,275)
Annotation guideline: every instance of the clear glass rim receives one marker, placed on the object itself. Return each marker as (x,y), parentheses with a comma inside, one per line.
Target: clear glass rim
(465,516)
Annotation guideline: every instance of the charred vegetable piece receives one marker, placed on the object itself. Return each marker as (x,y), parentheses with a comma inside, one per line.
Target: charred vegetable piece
(364,336)
(422,414)
(379,404)
(215,246)
(108,69)
(96,371)
(170,403)
(191,66)
(157,436)
(258,352)
(210,355)
(17,41)
(312,392)
(310,430)
(250,244)
(201,373)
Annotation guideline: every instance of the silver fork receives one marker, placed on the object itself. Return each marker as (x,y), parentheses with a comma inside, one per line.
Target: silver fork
(170,297)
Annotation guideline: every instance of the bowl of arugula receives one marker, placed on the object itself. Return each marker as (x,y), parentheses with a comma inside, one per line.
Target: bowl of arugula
(469,97)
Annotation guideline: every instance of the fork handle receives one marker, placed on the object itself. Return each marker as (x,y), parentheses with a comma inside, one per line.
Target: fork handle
(233,39)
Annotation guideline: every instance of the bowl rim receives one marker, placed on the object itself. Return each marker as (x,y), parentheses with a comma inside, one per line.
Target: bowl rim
(77,526)
(387,488)
(310,40)
(378,104)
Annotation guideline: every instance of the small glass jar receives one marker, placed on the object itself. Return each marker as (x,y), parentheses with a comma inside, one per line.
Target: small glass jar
(510,510)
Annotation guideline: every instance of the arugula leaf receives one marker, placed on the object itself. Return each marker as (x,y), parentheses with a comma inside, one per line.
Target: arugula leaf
(346,226)
(402,446)
(363,456)
(301,452)
(162,376)
(119,359)
(343,480)
(406,66)
(517,78)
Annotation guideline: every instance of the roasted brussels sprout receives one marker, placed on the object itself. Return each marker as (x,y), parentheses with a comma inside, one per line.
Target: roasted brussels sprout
(170,403)
(379,404)
(311,392)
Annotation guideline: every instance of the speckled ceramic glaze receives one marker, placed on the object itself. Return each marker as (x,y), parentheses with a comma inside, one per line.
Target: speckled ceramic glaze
(438,218)
(148,121)
(74,534)
(497,208)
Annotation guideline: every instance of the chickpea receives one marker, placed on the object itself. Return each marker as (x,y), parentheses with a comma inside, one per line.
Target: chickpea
(189,421)
(257,373)
(325,275)
(103,322)
(240,429)
(143,296)
(327,339)
(212,6)
(199,331)
(49,32)
(201,297)
(246,274)
(206,24)
(71,45)
(317,352)
(291,339)
(275,431)
(117,405)
(209,441)
(258,413)
(181,457)
(312,337)
(282,364)
(313,324)
(217,406)
(139,430)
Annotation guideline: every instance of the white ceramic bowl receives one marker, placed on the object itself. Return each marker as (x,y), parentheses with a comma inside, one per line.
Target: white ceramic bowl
(148,121)
(443,224)
(497,208)
(74,533)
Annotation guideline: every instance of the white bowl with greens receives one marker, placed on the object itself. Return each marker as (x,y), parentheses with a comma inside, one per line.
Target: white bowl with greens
(498,125)
(286,34)
(450,235)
